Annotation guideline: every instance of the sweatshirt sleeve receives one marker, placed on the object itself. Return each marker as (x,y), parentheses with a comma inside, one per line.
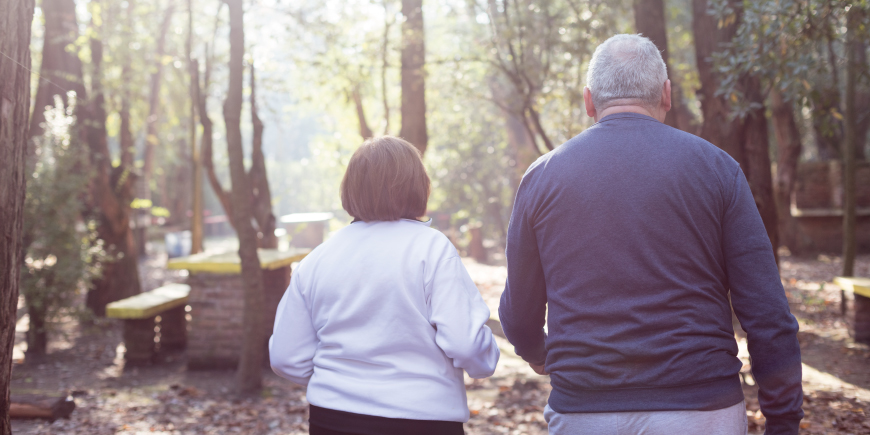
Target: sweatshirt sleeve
(294,340)
(762,308)
(459,315)
(523,305)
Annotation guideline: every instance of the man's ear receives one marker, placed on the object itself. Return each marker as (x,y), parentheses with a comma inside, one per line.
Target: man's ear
(590,107)
(666,96)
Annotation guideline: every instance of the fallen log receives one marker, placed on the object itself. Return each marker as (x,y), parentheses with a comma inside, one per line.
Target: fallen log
(35,406)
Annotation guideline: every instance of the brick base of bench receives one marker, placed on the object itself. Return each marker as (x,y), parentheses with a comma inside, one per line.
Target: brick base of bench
(140,336)
(217,306)
(858,318)
(139,340)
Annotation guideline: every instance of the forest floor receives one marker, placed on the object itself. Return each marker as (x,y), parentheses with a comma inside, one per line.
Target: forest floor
(87,361)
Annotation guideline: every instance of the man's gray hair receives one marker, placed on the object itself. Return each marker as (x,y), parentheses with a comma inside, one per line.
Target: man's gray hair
(626,67)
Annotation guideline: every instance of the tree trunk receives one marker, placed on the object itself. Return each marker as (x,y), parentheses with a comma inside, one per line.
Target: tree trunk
(413,76)
(853,71)
(144,214)
(61,69)
(16,17)
(649,20)
(862,102)
(110,198)
(37,337)
(248,373)
(196,219)
(745,139)
(756,152)
(126,134)
(718,127)
(261,196)
(788,146)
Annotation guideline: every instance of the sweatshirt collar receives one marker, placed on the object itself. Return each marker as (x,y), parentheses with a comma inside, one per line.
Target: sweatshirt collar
(626,115)
(428,222)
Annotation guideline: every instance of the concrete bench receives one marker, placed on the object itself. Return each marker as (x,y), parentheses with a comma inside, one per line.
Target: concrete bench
(140,314)
(858,306)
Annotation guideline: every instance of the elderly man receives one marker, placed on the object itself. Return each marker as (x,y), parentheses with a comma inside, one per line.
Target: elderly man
(633,234)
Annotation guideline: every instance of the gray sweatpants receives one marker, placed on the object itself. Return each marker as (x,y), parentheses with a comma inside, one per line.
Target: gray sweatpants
(727,421)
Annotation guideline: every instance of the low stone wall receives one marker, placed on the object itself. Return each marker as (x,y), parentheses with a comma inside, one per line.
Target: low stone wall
(215,330)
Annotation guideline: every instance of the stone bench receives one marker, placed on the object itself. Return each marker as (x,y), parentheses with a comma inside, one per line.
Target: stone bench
(857,306)
(140,314)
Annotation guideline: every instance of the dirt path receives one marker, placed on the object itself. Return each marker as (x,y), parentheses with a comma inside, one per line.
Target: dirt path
(168,399)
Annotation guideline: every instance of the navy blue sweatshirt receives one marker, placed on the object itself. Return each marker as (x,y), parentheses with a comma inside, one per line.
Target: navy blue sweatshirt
(629,237)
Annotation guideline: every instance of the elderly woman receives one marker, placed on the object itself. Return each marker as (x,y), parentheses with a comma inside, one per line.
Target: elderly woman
(381,320)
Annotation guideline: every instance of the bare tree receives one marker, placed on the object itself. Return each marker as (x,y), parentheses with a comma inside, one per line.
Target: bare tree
(16,17)
(261,195)
(413,76)
(248,373)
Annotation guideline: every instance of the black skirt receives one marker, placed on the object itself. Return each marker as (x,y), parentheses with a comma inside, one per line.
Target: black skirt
(323,421)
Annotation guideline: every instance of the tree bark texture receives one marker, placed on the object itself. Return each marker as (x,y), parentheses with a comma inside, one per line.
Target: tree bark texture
(61,69)
(413,76)
(788,151)
(248,373)
(16,17)
(364,130)
(111,193)
(649,20)
(207,140)
(853,71)
(745,139)
(260,194)
(718,127)
(144,191)
(756,164)
(127,143)
(196,219)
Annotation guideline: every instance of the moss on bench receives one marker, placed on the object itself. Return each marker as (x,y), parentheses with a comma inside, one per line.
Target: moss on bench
(858,286)
(150,303)
(229,263)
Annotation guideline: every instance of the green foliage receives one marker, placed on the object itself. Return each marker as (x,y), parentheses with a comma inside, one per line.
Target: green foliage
(61,248)
(794,45)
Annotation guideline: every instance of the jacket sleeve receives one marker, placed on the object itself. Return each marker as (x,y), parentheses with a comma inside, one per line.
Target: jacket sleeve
(523,305)
(459,315)
(762,308)
(294,340)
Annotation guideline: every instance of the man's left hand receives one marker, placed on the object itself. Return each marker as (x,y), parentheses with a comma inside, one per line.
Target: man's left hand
(539,369)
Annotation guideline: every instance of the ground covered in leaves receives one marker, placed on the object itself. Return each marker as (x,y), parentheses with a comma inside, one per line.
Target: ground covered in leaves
(87,361)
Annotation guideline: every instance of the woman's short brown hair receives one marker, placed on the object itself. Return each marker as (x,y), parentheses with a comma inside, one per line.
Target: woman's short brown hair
(385,181)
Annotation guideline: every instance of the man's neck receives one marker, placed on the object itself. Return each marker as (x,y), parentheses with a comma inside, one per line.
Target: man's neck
(631,108)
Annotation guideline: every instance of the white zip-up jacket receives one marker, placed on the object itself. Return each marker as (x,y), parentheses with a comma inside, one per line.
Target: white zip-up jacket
(381,320)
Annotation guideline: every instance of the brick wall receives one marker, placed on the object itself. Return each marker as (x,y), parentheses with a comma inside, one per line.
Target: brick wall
(819,190)
(217,303)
